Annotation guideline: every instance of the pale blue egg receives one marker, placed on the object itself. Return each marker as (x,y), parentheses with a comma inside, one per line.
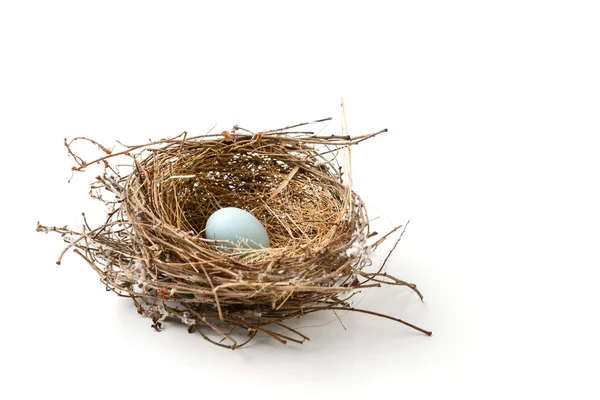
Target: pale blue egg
(238,227)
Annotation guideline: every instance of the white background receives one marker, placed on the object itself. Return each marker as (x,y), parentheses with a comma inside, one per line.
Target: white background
(493,115)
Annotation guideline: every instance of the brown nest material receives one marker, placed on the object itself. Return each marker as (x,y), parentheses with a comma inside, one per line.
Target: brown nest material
(152,248)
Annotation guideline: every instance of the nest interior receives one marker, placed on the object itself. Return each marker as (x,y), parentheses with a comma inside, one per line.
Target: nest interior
(298,201)
(152,246)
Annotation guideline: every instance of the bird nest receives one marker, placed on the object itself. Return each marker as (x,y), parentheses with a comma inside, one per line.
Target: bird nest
(152,246)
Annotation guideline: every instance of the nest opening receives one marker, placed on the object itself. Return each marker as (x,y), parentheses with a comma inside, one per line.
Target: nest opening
(295,201)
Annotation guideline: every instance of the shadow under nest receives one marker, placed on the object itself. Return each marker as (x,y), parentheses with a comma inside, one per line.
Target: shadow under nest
(152,246)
